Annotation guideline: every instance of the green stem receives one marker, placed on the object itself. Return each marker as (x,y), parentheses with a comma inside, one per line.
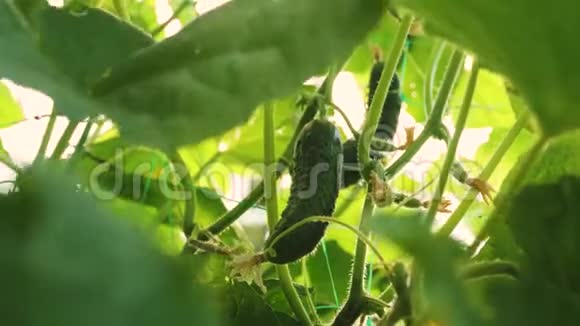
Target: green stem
(352,308)
(487,171)
(516,181)
(5,159)
(430,77)
(358,267)
(346,119)
(309,299)
(270,194)
(182,6)
(195,179)
(452,147)
(374,113)
(45,138)
(434,120)
(189,188)
(292,295)
(84,136)
(121,8)
(64,141)
(272,213)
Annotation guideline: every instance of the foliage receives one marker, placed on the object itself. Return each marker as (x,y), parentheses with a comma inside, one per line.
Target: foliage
(173,142)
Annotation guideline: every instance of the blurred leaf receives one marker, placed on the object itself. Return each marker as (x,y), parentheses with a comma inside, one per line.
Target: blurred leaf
(499,33)
(560,158)
(70,52)
(215,61)
(490,106)
(170,239)
(276,298)
(83,58)
(521,144)
(507,302)
(209,268)
(443,296)
(4,155)
(246,307)
(10,111)
(544,221)
(423,51)
(143,14)
(70,263)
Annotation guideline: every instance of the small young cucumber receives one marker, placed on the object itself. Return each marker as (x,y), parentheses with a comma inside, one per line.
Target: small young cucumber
(392,106)
(387,123)
(315,186)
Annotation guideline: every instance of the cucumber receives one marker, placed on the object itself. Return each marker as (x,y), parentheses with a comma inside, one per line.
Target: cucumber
(315,186)
(392,106)
(385,130)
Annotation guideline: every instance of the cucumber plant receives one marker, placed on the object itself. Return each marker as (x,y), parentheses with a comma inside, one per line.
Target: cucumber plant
(130,209)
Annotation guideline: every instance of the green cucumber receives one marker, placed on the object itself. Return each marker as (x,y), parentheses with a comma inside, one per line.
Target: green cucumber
(315,186)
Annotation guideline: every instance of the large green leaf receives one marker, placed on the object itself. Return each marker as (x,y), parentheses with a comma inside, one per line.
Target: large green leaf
(490,106)
(61,66)
(545,222)
(210,77)
(67,262)
(560,158)
(499,33)
(10,111)
(443,297)
(245,306)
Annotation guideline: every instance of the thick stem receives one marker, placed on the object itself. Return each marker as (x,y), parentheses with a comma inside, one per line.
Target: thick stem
(40,155)
(517,180)
(291,294)
(452,147)
(374,113)
(5,159)
(487,171)
(272,213)
(189,188)
(352,308)
(429,80)
(434,121)
(270,194)
(64,140)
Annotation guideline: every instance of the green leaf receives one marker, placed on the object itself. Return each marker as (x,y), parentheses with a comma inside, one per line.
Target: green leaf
(80,265)
(4,155)
(143,14)
(544,221)
(490,106)
(26,63)
(507,302)
(560,158)
(82,58)
(499,33)
(10,111)
(231,60)
(245,306)
(443,296)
